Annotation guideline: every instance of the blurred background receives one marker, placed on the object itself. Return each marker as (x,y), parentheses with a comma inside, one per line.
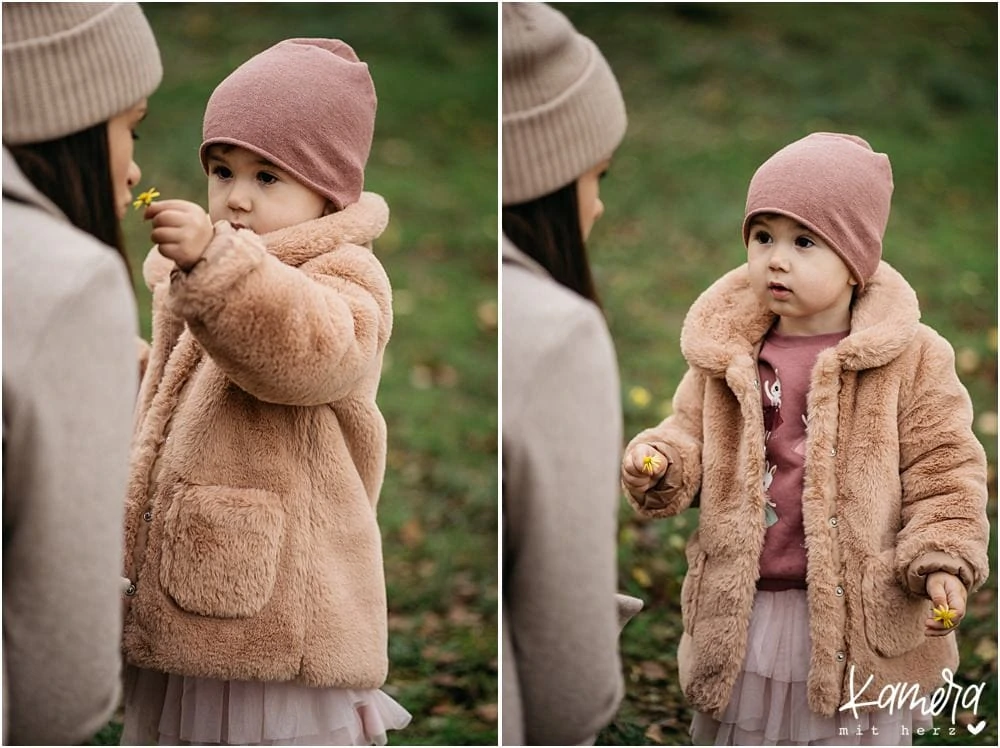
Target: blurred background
(712,91)
(434,159)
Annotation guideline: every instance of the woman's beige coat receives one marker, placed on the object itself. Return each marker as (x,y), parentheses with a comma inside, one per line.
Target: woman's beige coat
(895,487)
(69,381)
(562,435)
(251,535)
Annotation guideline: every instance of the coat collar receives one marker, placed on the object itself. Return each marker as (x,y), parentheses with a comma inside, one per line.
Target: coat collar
(727,321)
(359,223)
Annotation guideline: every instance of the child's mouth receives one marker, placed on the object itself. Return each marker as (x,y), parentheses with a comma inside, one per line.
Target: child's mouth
(238,226)
(779,291)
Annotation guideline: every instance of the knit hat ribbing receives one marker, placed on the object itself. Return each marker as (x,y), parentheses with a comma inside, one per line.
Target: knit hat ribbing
(69,66)
(308,107)
(562,108)
(836,186)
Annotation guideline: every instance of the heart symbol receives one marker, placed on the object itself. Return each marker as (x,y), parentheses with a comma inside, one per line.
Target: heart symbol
(976,729)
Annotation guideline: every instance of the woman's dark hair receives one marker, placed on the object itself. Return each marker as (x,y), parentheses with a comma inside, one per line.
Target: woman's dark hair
(547,229)
(74,172)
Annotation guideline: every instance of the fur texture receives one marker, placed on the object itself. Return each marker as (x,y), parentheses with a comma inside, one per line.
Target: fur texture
(258,457)
(895,487)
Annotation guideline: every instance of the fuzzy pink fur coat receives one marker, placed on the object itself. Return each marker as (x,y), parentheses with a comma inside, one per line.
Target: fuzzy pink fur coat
(895,488)
(259,452)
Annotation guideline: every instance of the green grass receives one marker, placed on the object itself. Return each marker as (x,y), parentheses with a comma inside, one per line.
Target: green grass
(434,160)
(714,89)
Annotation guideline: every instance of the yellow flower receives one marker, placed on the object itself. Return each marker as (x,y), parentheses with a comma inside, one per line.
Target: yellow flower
(640,396)
(946,616)
(145,198)
(650,464)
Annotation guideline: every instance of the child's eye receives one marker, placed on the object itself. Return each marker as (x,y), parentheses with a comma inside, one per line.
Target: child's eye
(804,242)
(761,236)
(222,172)
(266,178)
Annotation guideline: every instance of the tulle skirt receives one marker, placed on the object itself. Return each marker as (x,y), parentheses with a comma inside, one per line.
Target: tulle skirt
(769,705)
(166,709)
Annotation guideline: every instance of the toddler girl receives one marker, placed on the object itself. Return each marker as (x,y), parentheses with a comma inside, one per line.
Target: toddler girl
(256,610)
(827,439)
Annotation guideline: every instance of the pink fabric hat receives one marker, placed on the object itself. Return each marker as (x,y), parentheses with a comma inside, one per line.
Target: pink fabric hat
(306,105)
(836,186)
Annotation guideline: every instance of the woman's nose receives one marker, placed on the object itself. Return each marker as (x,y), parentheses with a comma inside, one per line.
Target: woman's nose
(134,175)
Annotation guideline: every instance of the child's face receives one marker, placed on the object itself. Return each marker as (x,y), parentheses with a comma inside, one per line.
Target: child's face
(251,192)
(798,277)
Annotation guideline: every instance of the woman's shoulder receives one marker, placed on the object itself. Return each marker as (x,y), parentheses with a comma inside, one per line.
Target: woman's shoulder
(539,314)
(47,262)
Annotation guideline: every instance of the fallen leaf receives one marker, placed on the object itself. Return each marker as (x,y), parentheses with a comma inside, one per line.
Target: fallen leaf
(486,315)
(653,670)
(487,712)
(986,650)
(641,576)
(655,733)
(986,424)
(411,534)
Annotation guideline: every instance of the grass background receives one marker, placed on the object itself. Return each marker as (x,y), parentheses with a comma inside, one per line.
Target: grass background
(712,91)
(434,160)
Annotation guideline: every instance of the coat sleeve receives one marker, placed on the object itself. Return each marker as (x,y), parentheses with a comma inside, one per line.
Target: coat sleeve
(943,474)
(678,438)
(68,397)
(294,336)
(561,447)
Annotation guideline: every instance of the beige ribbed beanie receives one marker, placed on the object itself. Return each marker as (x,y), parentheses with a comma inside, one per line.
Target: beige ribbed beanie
(69,66)
(562,109)
(836,186)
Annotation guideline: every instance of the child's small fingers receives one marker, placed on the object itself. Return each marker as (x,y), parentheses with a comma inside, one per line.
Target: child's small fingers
(165,235)
(634,479)
(154,209)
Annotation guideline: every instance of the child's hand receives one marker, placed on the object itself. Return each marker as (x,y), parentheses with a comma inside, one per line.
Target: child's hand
(642,468)
(181,229)
(948,595)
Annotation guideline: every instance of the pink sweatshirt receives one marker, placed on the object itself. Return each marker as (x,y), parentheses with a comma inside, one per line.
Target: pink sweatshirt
(784,365)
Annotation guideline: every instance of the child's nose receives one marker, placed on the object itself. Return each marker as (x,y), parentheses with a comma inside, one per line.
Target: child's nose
(779,257)
(238,198)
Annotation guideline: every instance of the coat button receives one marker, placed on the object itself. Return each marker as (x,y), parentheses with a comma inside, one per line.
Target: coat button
(833,521)
(840,656)
(147,516)
(839,591)
(130,590)
(833,451)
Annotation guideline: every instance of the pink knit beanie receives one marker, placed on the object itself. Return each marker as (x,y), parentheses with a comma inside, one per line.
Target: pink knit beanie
(307,106)
(836,186)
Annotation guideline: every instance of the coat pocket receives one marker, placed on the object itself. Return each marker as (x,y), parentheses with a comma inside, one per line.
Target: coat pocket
(220,550)
(691,589)
(893,618)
